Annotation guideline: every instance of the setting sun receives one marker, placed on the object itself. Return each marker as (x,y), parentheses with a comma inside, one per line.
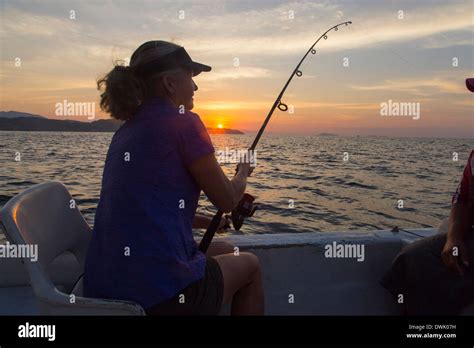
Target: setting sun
(219,125)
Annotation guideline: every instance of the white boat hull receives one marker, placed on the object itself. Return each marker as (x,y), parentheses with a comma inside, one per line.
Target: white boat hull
(298,277)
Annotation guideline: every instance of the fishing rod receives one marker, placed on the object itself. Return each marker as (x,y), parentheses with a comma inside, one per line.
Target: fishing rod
(246,208)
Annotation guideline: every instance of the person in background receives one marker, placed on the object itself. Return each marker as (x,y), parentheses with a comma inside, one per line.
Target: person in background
(435,275)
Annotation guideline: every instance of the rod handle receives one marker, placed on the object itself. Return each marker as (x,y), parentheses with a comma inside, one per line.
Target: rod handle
(211,230)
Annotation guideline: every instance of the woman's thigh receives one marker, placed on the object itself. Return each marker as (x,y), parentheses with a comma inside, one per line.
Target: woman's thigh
(237,271)
(219,247)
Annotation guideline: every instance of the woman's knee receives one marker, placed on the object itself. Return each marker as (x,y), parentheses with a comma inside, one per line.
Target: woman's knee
(253,266)
(239,270)
(241,267)
(227,247)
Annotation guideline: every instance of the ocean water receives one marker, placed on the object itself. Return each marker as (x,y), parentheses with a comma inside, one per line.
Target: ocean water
(328,192)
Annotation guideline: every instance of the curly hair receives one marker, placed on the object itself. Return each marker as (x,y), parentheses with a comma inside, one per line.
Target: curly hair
(124,90)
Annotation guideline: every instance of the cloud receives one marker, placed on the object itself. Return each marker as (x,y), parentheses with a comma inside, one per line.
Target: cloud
(232,105)
(464,102)
(238,73)
(211,31)
(18,23)
(257,37)
(255,105)
(416,86)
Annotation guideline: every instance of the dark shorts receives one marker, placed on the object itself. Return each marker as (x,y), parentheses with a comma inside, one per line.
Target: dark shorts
(427,285)
(203,297)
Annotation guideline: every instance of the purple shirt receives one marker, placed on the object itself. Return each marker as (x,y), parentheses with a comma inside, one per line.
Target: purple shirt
(142,246)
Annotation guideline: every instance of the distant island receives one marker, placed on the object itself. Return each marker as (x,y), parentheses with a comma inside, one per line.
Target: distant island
(223,131)
(16,114)
(327,135)
(21,121)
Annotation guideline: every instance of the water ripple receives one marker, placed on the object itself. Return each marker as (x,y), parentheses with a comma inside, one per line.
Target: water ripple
(302,182)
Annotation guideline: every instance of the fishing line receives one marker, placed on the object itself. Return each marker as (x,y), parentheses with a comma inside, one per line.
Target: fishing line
(397,229)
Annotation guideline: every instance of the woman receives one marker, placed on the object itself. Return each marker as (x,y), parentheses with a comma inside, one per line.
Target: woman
(142,248)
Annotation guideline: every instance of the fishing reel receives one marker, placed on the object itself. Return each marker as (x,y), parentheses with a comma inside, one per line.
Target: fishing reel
(245,208)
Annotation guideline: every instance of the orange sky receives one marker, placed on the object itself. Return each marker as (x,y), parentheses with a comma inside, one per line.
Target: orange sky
(423,57)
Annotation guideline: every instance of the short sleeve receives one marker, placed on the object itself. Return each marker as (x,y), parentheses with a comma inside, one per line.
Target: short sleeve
(462,193)
(194,141)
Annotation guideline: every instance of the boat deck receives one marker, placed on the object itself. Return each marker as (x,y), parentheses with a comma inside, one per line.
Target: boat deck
(294,267)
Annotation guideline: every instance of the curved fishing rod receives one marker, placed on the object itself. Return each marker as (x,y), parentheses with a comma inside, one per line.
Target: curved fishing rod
(247,200)
(278,103)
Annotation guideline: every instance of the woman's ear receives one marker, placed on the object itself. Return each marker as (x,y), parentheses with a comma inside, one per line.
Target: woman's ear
(169,83)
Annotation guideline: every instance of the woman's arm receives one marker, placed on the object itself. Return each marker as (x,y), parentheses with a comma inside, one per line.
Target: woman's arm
(459,228)
(225,194)
(201,221)
(455,251)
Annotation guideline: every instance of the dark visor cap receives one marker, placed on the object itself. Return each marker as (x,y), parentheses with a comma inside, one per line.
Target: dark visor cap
(162,55)
(470,84)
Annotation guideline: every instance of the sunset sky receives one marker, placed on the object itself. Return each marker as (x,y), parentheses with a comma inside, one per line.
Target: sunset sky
(407,59)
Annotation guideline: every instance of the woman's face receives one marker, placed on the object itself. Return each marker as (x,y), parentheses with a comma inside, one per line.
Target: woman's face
(183,89)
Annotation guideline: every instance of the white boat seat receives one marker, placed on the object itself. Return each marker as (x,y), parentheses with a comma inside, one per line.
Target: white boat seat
(77,290)
(45,215)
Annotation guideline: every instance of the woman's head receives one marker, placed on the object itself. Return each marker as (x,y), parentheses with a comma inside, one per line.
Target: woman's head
(177,85)
(157,68)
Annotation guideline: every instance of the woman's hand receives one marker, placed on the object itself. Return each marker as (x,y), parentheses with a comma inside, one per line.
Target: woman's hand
(224,224)
(455,255)
(455,252)
(245,168)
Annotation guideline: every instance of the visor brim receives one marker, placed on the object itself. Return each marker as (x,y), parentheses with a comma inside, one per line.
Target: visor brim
(199,68)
